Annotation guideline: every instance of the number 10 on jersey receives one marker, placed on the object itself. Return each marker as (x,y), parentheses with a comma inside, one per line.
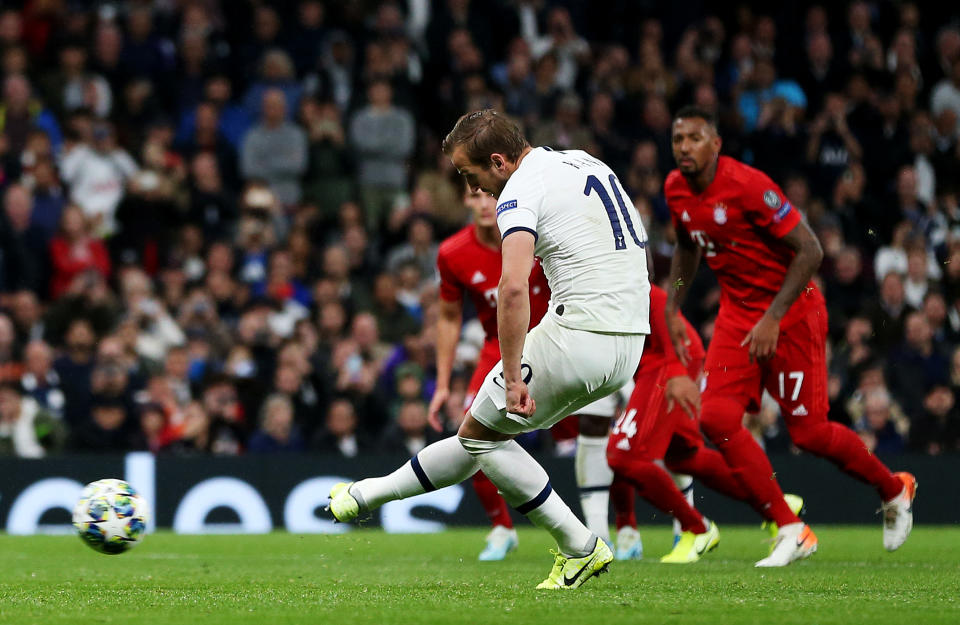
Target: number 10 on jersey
(594,185)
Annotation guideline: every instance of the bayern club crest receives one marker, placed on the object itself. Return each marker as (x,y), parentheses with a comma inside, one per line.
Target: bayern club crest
(720,214)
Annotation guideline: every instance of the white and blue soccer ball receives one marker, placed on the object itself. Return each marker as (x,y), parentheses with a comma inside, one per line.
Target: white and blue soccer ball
(110,516)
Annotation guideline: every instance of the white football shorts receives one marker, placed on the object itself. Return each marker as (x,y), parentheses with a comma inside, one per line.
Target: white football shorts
(565,370)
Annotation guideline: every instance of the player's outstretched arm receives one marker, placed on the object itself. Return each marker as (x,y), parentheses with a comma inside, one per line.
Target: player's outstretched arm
(449,321)
(762,339)
(513,315)
(683,268)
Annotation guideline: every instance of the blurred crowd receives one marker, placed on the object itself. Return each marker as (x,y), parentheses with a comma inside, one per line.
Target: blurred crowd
(220,218)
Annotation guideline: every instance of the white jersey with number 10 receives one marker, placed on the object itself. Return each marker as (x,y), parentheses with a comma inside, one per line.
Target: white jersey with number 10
(588,235)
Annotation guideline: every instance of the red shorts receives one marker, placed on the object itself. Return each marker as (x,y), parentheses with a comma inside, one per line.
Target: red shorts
(489,356)
(796,375)
(646,430)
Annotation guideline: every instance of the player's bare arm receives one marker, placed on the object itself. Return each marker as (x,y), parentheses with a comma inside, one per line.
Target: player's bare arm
(683,268)
(513,317)
(449,321)
(762,339)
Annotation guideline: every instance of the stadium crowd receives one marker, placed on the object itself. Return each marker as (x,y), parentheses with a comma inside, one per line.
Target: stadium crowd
(220,218)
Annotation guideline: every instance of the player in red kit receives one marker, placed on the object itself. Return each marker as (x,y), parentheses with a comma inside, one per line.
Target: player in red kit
(654,430)
(770,332)
(469,263)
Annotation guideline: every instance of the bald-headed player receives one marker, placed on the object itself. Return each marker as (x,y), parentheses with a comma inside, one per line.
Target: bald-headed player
(770,332)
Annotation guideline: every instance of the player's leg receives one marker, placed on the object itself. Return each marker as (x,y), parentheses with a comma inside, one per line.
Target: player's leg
(566,369)
(502,537)
(638,442)
(438,465)
(592,471)
(797,379)
(732,382)
(629,544)
(684,484)
(688,455)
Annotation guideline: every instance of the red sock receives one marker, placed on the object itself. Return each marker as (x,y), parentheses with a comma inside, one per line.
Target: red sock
(710,469)
(621,496)
(492,502)
(745,456)
(841,446)
(656,486)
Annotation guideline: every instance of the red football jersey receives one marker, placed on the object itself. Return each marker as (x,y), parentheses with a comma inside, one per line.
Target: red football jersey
(739,222)
(467,265)
(658,350)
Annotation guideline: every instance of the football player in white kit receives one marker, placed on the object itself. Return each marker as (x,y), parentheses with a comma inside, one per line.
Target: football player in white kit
(569,209)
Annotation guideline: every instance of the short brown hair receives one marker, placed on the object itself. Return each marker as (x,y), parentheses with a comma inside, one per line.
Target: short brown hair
(485,132)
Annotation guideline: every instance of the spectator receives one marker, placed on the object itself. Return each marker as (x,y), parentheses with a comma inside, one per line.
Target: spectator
(74,86)
(210,204)
(937,430)
(392,320)
(97,175)
(280,284)
(420,248)
(207,137)
(916,284)
(26,429)
(39,380)
(382,137)
(410,432)
(764,86)
(24,242)
(19,114)
(48,199)
(275,150)
(26,315)
(566,131)
(823,72)
(278,432)
(276,74)
(880,430)
(946,94)
(917,365)
(108,429)
(846,291)
(328,180)
(232,119)
(832,146)
(227,423)
(309,37)
(340,435)
(561,40)
(888,313)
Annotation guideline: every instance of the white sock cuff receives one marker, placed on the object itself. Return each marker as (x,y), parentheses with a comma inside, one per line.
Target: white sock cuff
(475,447)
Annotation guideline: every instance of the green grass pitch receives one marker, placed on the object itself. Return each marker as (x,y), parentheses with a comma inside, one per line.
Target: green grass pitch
(367,576)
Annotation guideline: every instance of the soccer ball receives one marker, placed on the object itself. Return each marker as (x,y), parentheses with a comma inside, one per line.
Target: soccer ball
(110,516)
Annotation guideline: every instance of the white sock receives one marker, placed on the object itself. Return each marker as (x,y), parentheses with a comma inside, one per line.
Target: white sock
(594,477)
(438,465)
(684,485)
(526,487)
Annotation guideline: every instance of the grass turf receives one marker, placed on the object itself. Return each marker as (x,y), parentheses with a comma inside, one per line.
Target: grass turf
(367,576)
